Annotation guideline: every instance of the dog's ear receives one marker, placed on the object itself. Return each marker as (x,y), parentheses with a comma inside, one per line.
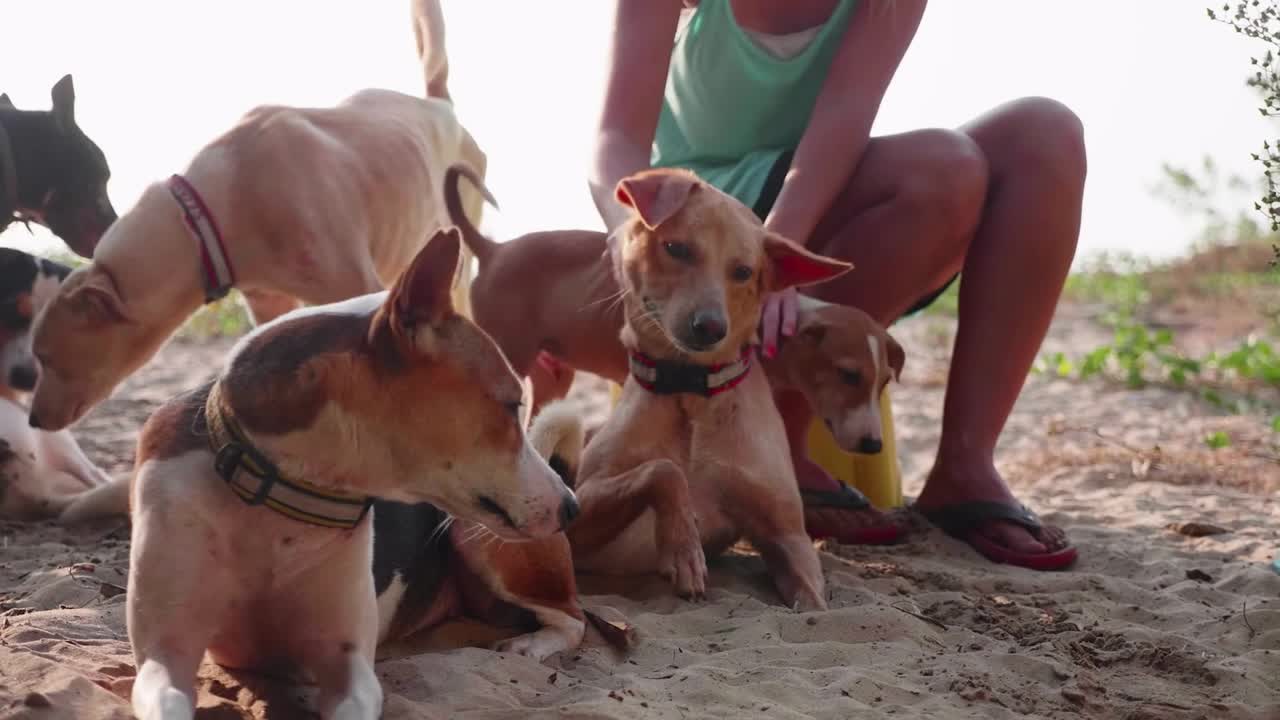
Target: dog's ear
(5,102)
(794,266)
(423,294)
(656,195)
(897,356)
(98,299)
(64,103)
(526,402)
(815,331)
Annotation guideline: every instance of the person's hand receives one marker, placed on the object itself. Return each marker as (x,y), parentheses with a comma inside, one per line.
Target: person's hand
(778,320)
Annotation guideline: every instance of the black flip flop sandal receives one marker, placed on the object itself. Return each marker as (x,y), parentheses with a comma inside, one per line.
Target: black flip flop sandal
(964,520)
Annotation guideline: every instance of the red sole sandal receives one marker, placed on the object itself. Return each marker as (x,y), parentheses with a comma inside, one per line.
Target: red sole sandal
(964,521)
(847,498)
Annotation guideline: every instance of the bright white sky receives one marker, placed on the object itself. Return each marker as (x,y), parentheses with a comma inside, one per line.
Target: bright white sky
(1154,80)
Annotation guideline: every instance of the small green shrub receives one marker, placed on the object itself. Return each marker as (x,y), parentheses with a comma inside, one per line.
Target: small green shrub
(224,318)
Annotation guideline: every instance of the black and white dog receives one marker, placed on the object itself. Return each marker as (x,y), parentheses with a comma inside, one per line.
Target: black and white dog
(52,174)
(40,472)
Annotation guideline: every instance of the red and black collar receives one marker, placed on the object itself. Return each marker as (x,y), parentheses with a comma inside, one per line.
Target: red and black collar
(215,263)
(667,377)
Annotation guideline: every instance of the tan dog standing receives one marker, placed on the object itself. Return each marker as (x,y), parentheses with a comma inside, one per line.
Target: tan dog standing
(250,535)
(293,205)
(694,456)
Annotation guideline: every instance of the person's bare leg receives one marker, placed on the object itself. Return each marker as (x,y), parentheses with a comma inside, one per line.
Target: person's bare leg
(1023,250)
(915,213)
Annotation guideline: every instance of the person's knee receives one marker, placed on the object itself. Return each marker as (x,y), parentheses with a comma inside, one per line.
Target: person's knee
(950,184)
(1051,139)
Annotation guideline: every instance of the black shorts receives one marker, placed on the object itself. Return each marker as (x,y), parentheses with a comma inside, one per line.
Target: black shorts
(769,194)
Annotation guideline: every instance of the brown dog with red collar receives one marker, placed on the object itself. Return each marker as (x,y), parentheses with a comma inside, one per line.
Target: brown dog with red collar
(694,457)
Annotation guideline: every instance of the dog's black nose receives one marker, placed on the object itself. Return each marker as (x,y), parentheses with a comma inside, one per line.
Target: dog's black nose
(23,377)
(869,445)
(34,421)
(568,510)
(707,328)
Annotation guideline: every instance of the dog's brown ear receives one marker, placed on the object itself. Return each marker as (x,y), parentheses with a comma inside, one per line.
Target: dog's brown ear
(897,356)
(64,103)
(795,266)
(98,299)
(423,294)
(656,195)
(815,332)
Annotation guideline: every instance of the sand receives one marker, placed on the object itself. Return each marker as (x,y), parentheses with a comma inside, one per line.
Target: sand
(1152,623)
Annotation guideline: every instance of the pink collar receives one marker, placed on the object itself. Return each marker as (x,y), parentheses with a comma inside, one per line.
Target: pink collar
(215,262)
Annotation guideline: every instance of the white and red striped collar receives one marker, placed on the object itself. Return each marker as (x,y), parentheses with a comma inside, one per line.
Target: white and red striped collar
(666,377)
(215,262)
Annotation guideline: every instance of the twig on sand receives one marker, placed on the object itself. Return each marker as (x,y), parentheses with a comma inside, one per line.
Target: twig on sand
(106,590)
(918,616)
(1244,612)
(1111,439)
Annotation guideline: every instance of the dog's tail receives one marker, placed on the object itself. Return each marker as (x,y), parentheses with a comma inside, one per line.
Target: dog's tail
(557,435)
(480,245)
(106,500)
(428,33)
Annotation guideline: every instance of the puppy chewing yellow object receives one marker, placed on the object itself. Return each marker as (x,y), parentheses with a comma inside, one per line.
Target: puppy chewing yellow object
(878,476)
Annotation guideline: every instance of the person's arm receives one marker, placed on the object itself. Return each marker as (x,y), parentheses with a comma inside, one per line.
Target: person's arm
(838,131)
(639,57)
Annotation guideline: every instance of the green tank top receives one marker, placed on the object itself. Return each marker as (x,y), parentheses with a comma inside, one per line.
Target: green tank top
(730,108)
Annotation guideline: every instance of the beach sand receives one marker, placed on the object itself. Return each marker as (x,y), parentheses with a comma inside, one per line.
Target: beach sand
(1153,622)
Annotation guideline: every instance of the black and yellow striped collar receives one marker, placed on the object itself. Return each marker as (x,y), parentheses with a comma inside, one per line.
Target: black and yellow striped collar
(258,482)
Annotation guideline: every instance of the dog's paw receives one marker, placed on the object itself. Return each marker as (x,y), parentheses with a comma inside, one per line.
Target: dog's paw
(536,646)
(808,602)
(684,565)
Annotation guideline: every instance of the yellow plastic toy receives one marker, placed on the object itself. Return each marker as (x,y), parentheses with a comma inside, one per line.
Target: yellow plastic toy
(878,476)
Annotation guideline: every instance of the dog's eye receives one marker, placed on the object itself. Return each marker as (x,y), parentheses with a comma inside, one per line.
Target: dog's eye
(678,250)
(741,274)
(514,408)
(850,377)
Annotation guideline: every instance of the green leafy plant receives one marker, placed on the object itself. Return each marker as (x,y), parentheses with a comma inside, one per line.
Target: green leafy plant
(1260,20)
(224,318)
(1217,440)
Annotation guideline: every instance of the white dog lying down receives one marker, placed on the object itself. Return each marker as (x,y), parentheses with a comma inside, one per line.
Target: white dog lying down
(40,472)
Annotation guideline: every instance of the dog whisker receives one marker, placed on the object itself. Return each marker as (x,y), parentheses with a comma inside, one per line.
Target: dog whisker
(473,534)
(612,300)
(440,530)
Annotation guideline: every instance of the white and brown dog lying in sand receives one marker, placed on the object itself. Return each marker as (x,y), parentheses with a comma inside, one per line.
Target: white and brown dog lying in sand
(250,493)
(40,472)
(694,456)
(293,205)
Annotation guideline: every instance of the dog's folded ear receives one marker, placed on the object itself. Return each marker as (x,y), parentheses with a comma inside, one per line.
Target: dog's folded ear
(897,357)
(794,266)
(656,195)
(423,294)
(97,298)
(64,103)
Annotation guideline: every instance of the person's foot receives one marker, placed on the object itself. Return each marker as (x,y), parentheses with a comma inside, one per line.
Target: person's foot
(840,513)
(955,485)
